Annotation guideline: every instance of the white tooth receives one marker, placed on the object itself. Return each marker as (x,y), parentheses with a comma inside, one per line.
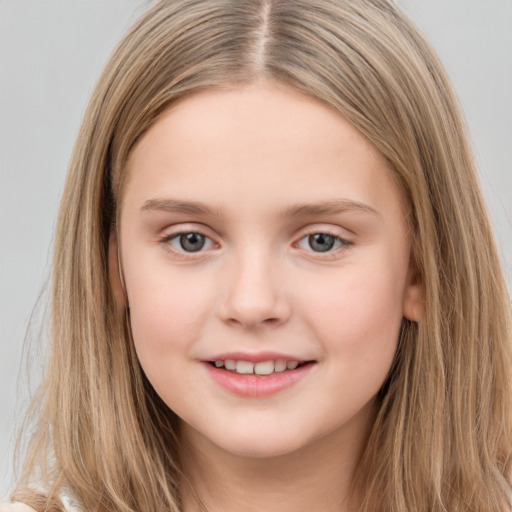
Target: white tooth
(265,368)
(230,364)
(219,364)
(291,365)
(244,367)
(280,365)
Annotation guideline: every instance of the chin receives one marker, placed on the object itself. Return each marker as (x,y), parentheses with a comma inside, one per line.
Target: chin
(260,446)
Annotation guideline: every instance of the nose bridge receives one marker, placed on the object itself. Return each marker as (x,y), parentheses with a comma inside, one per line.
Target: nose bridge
(254,293)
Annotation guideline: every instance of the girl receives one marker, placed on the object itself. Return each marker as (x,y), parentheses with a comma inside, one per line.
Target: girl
(275,285)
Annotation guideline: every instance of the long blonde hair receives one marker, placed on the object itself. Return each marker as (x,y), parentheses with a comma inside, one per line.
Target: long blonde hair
(442,439)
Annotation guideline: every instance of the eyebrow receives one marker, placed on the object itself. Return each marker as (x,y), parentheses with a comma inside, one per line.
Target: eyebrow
(331,207)
(177,206)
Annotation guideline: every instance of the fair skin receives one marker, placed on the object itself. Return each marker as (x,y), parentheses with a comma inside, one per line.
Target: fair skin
(259,227)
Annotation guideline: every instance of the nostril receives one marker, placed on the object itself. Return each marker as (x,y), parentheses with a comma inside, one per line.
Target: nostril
(246,321)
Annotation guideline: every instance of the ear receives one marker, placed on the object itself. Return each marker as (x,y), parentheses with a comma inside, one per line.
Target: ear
(414,295)
(114,271)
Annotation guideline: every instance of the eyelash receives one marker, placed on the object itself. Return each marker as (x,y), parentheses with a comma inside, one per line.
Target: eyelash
(168,239)
(342,243)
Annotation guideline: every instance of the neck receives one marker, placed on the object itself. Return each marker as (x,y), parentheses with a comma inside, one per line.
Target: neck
(318,475)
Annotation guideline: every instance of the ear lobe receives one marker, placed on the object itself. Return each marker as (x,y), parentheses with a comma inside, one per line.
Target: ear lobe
(414,300)
(114,271)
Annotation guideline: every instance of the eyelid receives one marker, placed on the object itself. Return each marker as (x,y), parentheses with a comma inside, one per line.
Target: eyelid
(342,241)
(177,236)
(327,229)
(173,232)
(186,227)
(345,243)
(176,230)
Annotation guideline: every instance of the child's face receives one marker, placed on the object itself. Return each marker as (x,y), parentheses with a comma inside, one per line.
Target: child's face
(257,225)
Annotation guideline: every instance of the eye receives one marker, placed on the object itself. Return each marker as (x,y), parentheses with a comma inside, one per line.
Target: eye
(321,242)
(189,242)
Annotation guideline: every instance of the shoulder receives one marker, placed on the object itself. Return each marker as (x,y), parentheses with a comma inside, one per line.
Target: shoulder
(15,507)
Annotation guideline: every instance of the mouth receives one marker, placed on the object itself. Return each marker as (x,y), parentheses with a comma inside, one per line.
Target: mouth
(257,375)
(261,368)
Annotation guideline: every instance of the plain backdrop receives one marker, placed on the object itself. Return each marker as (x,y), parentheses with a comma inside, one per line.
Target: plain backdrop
(51,53)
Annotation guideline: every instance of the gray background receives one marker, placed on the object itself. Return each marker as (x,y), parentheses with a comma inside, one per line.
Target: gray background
(51,53)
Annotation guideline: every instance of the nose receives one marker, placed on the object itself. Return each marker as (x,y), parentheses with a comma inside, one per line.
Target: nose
(254,294)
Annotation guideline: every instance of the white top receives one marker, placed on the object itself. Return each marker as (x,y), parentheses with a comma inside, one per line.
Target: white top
(70,505)
(15,507)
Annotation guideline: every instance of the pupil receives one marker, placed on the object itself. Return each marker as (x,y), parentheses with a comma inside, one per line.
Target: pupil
(192,242)
(320,242)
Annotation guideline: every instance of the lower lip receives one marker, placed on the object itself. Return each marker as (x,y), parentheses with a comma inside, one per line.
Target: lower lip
(251,385)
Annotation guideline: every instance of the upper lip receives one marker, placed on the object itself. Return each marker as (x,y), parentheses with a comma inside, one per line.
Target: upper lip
(255,357)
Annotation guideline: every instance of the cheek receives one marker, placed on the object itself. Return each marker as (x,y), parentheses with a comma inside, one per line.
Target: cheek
(357,317)
(358,327)
(168,312)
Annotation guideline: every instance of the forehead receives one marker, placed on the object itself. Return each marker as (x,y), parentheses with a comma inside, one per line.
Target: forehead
(256,143)
(265,113)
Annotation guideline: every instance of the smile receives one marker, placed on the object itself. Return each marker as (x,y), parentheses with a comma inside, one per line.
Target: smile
(261,368)
(257,378)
